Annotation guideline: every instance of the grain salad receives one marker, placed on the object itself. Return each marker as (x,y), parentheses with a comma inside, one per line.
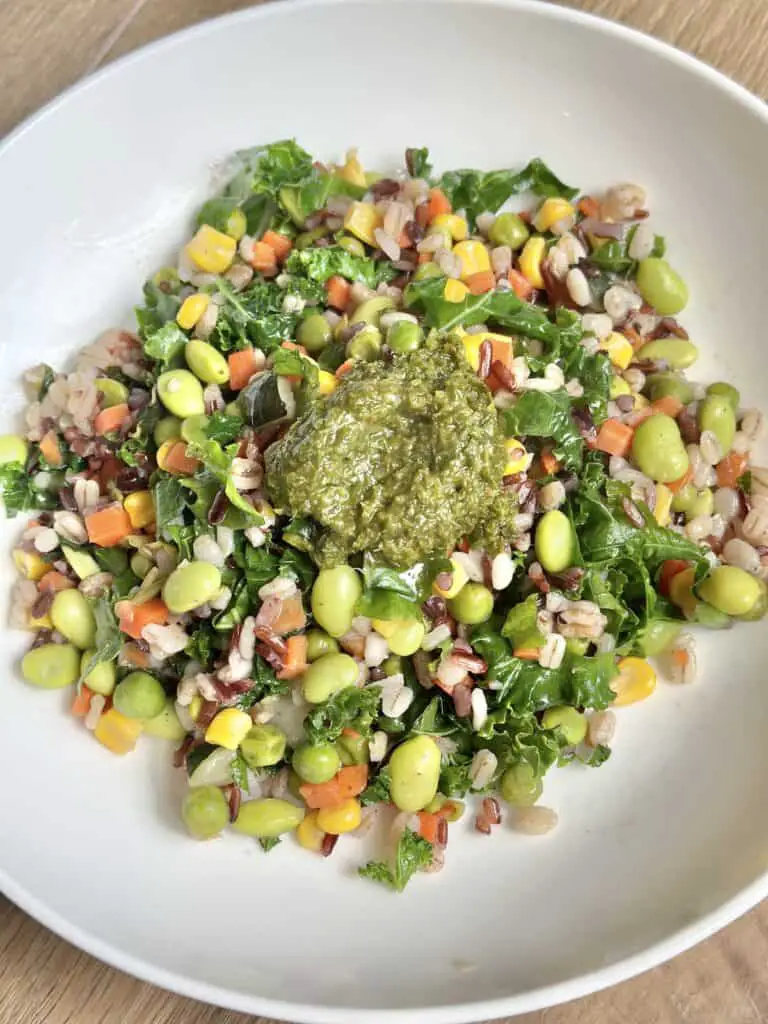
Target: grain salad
(398,490)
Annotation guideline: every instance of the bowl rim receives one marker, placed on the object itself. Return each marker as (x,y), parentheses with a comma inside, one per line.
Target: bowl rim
(535,999)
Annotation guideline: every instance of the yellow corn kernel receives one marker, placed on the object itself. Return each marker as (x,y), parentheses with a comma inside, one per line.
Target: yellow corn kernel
(211,250)
(459,579)
(551,211)
(386,627)
(229,728)
(345,817)
(352,170)
(361,220)
(636,681)
(472,345)
(518,459)
(473,257)
(116,732)
(309,835)
(617,387)
(191,309)
(30,565)
(44,622)
(327,383)
(531,259)
(618,350)
(662,510)
(641,402)
(681,592)
(140,509)
(195,707)
(457,226)
(455,291)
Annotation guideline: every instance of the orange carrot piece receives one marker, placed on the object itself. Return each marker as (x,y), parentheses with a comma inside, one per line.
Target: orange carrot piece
(429,826)
(49,448)
(54,581)
(521,286)
(481,282)
(679,484)
(438,204)
(670,405)
(108,526)
(345,367)
(549,463)
(614,438)
(111,418)
(526,653)
(81,705)
(296,657)
(589,206)
(338,289)
(348,782)
(280,244)
(294,346)
(292,617)
(425,257)
(178,462)
(730,469)
(242,366)
(263,258)
(502,352)
(134,617)
(670,568)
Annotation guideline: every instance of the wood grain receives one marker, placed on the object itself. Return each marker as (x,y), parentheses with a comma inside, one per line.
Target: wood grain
(44,46)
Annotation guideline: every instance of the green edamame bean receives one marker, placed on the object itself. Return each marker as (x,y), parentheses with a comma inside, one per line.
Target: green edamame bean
(520,786)
(166,725)
(71,615)
(576,645)
(473,604)
(51,666)
(314,333)
(727,391)
(660,385)
(319,643)
(571,723)
(139,695)
(140,565)
(191,585)
(112,391)
(657,636)
(167,279)
(328,675)
(102,677)
(206,362)
(352,749)
(263,746)
(334,595)
(193,429)
(404,336)
(352,245)
(369,311)
(267,818)
(167,429)
(716,414)
(553,543)
(684,499)
(658,449)
(427,270)
(414,770)
(406,638)
(661,286)
(308,238)
(393,665)
(317,763)
(12,449)
(703,504)
(509,229)
(205,812)
(677,353)
(731,590)
(181,393)
(366,344)
(760,607)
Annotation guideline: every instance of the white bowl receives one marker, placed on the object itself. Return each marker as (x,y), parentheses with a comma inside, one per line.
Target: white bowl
(656,850)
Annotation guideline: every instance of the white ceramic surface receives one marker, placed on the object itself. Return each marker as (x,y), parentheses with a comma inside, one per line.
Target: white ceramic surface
(656,850)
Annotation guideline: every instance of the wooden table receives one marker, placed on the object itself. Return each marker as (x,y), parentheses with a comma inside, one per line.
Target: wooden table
(44,46)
